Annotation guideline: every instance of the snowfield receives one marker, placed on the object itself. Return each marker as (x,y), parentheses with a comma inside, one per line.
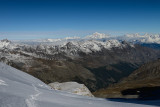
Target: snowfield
(18,89)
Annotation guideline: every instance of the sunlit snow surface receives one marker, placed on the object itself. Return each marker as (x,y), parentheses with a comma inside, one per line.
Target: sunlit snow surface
(18,89)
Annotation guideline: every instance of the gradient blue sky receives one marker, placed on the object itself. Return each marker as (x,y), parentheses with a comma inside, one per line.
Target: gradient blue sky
(32,19)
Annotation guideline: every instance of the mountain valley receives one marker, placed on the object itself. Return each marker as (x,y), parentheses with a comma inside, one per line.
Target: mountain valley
(97,63)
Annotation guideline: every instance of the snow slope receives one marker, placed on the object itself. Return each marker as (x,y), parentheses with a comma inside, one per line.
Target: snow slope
(18,89)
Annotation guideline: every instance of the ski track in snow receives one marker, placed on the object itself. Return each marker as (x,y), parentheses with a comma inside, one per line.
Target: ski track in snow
(2,82)
(31,101)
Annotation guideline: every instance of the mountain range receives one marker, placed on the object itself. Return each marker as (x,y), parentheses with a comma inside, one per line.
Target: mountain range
(97,60)
(133,37)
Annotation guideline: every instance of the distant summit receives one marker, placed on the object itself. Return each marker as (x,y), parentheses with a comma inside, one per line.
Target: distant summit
(145,38)
(5,40)
(97,35)
(4,43)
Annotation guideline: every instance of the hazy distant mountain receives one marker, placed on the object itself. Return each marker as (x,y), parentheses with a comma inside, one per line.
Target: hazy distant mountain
(97,35)
(141,38)
(134,38)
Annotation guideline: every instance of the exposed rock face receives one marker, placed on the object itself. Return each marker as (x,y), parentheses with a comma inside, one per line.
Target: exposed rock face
(72,87)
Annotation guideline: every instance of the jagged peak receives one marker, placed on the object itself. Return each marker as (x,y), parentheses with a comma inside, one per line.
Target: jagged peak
(5,40)
(5,43)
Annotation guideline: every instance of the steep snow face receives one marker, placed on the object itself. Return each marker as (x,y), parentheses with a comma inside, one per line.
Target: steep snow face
(18,89)
(72,87)
(97,35)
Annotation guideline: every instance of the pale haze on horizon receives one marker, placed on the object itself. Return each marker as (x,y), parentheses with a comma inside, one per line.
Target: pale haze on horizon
(32,19)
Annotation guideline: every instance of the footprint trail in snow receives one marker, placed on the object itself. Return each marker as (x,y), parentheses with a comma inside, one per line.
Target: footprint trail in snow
(31,101)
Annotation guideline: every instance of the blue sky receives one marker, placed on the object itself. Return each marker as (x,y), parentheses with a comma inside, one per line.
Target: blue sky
(31,19)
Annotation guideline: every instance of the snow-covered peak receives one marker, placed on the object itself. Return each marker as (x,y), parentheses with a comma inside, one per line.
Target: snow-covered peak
(5,40)
(150,38)
(142,38)
(4,43)
(72,49)
(90,46)
(97,35)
